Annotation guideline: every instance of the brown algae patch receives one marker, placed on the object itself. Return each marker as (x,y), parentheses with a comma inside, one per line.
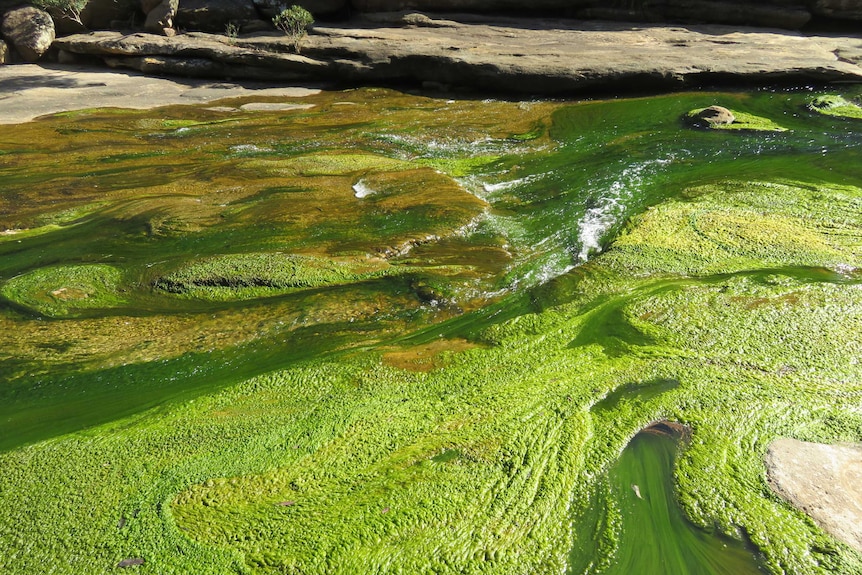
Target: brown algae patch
(425,357)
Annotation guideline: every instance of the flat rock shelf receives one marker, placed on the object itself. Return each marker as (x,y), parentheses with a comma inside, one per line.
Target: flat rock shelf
(825,481)
(530,56)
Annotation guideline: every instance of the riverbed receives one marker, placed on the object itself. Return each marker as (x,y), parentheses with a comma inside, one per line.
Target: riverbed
(369,331)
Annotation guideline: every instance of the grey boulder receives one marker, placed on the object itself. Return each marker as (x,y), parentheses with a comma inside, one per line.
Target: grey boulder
(30,31)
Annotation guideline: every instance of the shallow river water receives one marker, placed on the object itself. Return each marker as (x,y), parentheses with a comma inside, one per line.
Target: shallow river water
(376,332)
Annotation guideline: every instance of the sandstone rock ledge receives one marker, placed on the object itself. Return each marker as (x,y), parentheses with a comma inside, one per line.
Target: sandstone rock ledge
(824,481)
(535,57)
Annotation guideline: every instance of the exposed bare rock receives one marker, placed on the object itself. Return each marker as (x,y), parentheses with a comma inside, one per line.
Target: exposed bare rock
(824,481)
(29,90)
(160,18)
(4,53)
(713,116)
(30,31)
(549,57)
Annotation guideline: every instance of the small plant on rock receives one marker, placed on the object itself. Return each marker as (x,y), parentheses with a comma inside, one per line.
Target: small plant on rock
(231,30)
(294,22)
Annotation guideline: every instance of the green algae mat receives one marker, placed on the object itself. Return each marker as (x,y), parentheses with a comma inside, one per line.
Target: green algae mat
(385,333)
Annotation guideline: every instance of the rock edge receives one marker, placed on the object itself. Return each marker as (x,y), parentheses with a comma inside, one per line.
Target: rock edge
(547,58)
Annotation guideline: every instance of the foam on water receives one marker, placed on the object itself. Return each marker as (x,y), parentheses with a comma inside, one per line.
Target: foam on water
(612,205)
(361,190)
(502,186)
(415,147)
(248,149)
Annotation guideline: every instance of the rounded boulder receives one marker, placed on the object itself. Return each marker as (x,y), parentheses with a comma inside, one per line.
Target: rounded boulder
(712,116)
(30,31)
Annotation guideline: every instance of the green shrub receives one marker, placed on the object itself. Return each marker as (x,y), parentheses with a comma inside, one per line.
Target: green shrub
(231,30)
(294,22)
(70,9)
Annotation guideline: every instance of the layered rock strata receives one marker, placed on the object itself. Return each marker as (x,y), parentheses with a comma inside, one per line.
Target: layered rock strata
(551,57)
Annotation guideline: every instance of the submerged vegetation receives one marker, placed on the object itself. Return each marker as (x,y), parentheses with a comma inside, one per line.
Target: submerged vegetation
(240,276)
(382,334)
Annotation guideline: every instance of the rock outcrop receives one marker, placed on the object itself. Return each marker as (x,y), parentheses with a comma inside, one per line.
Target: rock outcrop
(215,15)
(160,16)
(108,14)
(500,55)
(30,31)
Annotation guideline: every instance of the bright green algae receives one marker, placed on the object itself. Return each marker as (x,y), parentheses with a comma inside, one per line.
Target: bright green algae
(837,106)
(63,290)
(246,276)
(373,407)
(741,122)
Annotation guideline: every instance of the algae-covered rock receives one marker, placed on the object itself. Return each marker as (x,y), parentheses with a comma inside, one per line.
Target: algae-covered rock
(721,118)
(833,105)
(246,276)
(736,226)
(66,290)
(711,117)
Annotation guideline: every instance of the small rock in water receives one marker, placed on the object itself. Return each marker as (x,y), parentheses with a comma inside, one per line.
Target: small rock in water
(637,490)
(713,116)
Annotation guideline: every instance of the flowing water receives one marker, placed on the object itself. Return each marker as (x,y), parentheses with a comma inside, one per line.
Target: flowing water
(656,536)
(408,253)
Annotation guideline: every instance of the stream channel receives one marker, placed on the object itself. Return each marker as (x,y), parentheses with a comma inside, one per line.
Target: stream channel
(375,332)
